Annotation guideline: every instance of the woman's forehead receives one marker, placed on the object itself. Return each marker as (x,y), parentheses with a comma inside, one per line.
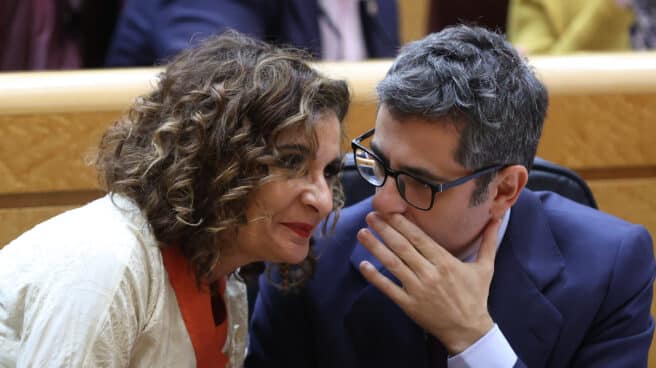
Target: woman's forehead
(313,128)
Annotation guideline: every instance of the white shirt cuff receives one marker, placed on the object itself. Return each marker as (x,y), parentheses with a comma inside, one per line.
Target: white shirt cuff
(490,351)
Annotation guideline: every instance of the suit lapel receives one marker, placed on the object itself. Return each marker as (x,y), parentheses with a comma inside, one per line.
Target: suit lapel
(527,263)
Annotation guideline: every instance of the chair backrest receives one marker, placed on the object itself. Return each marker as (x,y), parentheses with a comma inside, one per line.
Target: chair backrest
(544,175)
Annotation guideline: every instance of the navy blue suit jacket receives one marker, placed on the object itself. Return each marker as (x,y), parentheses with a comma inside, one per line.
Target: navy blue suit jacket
(149,31)
(572,286)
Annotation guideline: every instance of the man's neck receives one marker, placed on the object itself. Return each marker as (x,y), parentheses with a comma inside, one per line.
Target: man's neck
(471,252)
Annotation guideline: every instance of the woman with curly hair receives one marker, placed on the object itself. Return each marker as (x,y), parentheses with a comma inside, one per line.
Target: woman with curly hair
(230,161)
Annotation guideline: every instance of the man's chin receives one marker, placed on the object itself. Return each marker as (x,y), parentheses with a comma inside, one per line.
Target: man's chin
(468,252)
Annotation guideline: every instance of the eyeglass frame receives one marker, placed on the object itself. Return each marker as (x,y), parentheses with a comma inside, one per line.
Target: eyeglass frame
(435,188)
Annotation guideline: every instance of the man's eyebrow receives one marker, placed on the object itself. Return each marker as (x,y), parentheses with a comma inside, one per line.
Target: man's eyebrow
(414,171)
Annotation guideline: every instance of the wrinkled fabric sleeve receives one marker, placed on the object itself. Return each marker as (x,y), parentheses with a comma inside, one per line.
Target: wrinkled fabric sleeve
(88,315)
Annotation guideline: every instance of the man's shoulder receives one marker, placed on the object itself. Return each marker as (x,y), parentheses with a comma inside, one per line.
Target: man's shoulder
(586,270)
(568,217)
(579,234)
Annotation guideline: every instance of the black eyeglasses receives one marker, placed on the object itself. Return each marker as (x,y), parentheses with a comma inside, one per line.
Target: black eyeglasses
(417,192)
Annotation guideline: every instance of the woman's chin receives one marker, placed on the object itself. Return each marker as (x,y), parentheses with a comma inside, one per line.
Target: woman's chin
(296,253)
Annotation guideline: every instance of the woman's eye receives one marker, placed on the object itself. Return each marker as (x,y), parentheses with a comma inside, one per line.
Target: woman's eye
(291,161)
(332,171)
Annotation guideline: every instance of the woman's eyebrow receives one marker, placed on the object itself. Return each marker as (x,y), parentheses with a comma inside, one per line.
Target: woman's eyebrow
(295,147)
(337,162)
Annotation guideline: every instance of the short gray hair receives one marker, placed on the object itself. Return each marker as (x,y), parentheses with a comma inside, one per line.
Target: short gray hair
(472,78)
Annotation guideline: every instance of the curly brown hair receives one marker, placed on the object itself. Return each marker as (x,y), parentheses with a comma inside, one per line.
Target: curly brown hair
(191,152)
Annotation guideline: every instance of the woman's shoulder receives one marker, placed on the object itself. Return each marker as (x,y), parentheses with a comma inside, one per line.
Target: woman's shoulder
(108,235)
(95,269)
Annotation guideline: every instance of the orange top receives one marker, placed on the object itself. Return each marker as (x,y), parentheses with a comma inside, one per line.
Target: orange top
(196,308)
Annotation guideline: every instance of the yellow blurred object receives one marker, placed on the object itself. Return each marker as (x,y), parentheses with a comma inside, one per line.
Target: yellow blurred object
(567,26)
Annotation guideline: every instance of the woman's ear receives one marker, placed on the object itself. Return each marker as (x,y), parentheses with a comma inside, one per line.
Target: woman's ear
(507,186)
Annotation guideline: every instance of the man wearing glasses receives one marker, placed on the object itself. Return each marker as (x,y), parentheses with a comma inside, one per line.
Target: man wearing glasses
(452,263)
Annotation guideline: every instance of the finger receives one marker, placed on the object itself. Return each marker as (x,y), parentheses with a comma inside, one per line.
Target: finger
(424,244)
(403,247)
(488,249)
(382,283)
(390,260)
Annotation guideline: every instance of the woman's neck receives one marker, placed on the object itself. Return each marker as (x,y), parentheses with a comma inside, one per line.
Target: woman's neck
(231,259)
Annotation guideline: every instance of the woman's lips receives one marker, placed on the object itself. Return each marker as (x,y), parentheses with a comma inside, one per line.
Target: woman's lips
(301,229)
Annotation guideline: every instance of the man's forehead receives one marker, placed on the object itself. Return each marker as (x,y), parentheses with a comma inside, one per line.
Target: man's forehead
(418,144)
(415,132)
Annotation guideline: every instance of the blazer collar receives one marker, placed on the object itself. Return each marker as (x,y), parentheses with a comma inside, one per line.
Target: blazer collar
(527,264)
(381,334)
(531,240)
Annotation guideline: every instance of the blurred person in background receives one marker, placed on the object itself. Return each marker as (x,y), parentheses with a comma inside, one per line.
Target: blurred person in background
(491,14)
(55,34)
(150,31)
(643,30)
(565,26)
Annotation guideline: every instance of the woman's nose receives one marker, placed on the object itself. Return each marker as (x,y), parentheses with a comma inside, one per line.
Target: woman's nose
(319,195)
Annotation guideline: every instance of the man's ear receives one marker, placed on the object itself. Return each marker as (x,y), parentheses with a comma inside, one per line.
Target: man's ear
(506,187)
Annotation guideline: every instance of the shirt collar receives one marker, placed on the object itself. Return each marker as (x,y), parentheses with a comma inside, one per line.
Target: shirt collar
(470,254)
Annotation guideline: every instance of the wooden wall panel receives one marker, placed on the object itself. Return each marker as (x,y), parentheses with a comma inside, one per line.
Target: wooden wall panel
(631,199)
(14,221)
(601,131)
(47,152)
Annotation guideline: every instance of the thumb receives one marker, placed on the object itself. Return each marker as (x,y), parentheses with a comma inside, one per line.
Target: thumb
(488,249)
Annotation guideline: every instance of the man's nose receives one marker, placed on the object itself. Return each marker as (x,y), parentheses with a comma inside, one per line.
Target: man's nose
(388,200)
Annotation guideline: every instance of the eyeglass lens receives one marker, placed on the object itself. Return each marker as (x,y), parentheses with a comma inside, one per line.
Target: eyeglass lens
(413,191)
